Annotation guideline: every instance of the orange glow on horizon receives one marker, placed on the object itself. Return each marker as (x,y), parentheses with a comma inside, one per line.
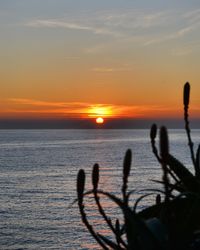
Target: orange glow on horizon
(37,109)
(100,110)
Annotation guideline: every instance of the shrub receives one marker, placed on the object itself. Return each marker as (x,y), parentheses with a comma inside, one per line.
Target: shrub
(173,222)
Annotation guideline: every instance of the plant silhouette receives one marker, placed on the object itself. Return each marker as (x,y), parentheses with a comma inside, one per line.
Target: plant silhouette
(173,222)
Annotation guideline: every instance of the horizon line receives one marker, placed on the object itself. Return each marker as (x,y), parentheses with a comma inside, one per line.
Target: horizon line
(89,123)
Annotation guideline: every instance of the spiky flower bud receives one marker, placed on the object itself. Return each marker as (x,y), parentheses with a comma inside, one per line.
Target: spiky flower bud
(164,145)
(95,176)
(127,164)
(153,132)
(80,185)
(186,94)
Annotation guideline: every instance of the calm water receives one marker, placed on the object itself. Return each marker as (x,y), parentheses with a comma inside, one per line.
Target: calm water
(38,171)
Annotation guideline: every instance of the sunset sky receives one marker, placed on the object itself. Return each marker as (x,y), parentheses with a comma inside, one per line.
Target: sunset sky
(112,58)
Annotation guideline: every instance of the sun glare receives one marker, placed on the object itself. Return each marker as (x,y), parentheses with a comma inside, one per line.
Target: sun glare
(100,111)
(99,120)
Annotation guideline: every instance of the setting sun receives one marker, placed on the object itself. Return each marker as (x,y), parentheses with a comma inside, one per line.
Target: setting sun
(99,120)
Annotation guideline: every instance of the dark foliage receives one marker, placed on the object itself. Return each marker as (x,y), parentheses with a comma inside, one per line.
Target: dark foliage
(173,222)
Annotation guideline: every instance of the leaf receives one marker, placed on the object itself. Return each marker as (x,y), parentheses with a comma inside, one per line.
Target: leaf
(117,232)
(153,133)
(159,231)
(139,235)
(139,199)
(80,194)
(185,176)
(149,212)
(95,179)
(137,232)
(109,242)
(198,160)
(177,186)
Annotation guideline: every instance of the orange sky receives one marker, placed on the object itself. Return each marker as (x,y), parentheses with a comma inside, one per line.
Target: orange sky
(129,60)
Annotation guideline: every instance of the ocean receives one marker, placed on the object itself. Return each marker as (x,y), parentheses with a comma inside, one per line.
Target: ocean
(38,170)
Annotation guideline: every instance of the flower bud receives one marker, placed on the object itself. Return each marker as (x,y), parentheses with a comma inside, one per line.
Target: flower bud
(164,145)
(153,132)
(186,94)
(95,176)
(80,185)
(127,164)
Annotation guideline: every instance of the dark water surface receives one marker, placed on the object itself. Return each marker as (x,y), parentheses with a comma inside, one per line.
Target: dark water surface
(38,171)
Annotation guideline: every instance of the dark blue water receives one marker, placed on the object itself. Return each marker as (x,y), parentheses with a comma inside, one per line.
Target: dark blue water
(38,171)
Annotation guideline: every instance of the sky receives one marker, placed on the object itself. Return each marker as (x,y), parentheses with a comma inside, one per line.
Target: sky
(80,59)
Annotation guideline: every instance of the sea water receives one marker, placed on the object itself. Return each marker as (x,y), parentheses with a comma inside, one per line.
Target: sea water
(38,170)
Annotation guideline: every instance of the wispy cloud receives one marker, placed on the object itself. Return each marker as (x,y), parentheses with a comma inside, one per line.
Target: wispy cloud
(72,26)
(186,48)
(134,19)
(181,24)
(110,70)
(104,70)
(115,23)
(72,58)
(181,51)
(57,24)
(172,36)
(140,28)
(192,16)
(38,108)
(149,27)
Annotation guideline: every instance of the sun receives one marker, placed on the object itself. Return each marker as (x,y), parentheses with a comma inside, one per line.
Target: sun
(99,120)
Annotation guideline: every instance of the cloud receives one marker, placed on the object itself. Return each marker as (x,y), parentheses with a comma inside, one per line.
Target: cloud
(110,70)
(134,19)
(186,48)
(72,58)
(192,16)
(182,51)
(95,49)
(151,27)
(178,34)
(72,26)
(38,108)
(181,24)
(103,70)
(144,26)
(56,24)
(115,23)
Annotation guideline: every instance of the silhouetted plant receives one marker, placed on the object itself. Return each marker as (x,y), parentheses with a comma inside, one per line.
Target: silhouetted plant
(173,222)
